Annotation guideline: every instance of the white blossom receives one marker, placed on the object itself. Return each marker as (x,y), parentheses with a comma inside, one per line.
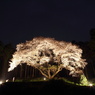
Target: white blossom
(41,51)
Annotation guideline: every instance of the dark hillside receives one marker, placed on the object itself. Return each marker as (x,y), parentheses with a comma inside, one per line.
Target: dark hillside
(53,87)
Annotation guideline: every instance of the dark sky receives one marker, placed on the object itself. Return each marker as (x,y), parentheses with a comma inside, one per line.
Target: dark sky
(61,19)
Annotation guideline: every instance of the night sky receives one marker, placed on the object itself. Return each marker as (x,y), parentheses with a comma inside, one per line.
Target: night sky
(61,19)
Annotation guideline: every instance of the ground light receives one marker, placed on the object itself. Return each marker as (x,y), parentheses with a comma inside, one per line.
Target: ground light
(7,80)
(1,82)
(44,78)
(90,84)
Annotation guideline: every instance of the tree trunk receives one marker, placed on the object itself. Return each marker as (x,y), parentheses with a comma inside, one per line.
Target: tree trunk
(21,69)
(48,75)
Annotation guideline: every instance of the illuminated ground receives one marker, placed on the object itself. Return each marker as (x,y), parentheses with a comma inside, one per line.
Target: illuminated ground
(53,87)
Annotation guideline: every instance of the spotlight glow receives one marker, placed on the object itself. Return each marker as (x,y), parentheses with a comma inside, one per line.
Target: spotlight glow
(7,80)
(90,84)
(44,78)
(1,82)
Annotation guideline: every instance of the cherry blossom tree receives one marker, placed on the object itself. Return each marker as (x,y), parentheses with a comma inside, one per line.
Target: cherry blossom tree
(49,56)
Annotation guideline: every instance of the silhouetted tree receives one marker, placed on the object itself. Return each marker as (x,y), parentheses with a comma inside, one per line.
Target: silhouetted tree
(6,52)
(92,40)
(89,54)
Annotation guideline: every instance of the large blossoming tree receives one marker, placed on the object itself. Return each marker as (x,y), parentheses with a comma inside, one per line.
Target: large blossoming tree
(49,56)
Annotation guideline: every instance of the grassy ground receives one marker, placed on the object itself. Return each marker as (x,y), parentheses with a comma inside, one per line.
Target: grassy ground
(62,79)
(47,87)
(43,86)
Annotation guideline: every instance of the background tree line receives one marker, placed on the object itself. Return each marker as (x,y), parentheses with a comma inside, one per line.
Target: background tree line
(89,54)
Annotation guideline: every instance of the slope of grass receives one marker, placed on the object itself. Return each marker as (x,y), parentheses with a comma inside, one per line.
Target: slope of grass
(42,79)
